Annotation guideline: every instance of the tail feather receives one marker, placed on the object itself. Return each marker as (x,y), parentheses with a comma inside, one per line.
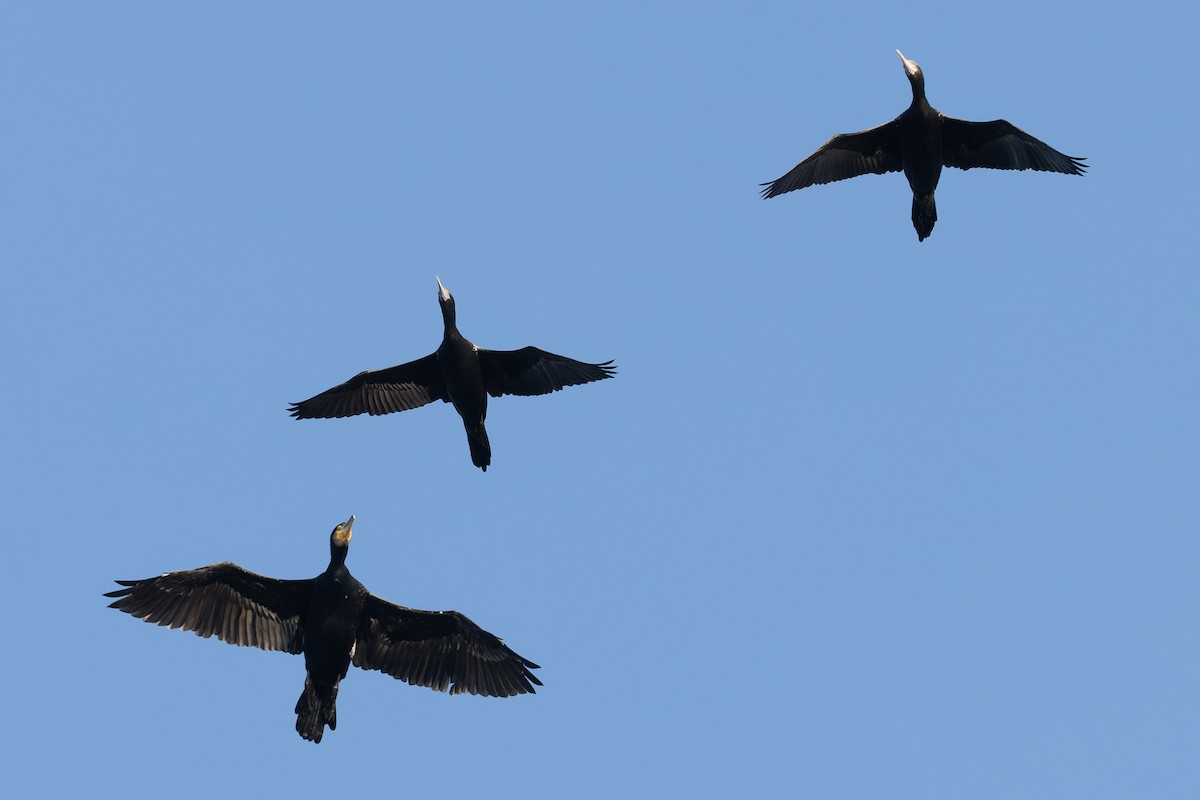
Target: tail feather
(315,709)
(924,214)
(481,448)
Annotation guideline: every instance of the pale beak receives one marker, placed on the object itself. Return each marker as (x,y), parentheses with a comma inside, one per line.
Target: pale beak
(346,529)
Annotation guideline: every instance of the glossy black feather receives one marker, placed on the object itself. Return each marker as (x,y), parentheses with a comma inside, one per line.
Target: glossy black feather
(530,371)
(846,155)
(1001,145)
(380,391)
(442,650)
(222,600)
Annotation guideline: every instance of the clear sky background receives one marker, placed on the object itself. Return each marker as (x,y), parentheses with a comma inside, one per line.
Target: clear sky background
(859,518)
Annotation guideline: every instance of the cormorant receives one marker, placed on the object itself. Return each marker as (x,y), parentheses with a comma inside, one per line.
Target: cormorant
(921,141)
(334,621)
(458,372)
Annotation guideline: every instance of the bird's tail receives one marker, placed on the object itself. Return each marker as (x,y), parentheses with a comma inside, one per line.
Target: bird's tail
(315,709)
(924,215)
(481,448)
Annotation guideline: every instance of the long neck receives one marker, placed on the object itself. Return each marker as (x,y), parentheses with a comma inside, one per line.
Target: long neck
(337,556)
(448,319)
(918,90)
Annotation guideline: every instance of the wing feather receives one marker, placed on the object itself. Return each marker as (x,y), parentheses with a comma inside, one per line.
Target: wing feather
(530,371)
(443,650)
(846,155)
(223,600)
(380,391)
(1001,145)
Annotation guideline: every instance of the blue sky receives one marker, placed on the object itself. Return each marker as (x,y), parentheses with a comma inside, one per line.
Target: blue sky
(859,518)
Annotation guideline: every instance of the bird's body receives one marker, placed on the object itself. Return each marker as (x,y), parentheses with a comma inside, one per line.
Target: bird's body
(462,375)
(920,142)
(335,622)
(334,607)
(330,633)
(458,372)
(921,154)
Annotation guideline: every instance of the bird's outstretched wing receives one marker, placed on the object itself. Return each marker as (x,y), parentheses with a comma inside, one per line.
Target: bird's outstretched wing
(846,155)
(531,371)
(1001,145)
(379,391)
(440,649)
(236,605)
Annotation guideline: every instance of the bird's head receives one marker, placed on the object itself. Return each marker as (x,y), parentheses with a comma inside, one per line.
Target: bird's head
(446,301)
(911,68)
(444,295)
(341,533)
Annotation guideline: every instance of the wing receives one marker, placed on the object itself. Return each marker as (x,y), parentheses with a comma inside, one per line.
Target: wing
(379,391)
(530,371)
(846,155)
(1001,145)
(439,649)
(238,606)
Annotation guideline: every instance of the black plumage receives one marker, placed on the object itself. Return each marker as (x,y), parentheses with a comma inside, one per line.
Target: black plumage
(920,142)
(458,372)
(334,621)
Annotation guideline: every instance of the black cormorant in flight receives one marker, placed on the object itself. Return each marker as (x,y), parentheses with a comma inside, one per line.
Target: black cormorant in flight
(334,621)
(458,372)
(921,141)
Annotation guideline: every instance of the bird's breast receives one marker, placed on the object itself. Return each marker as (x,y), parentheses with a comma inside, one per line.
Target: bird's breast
(921,152)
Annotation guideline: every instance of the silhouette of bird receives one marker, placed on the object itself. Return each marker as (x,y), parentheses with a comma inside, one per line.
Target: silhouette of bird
(458,372)
(334,621)
(921,141)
